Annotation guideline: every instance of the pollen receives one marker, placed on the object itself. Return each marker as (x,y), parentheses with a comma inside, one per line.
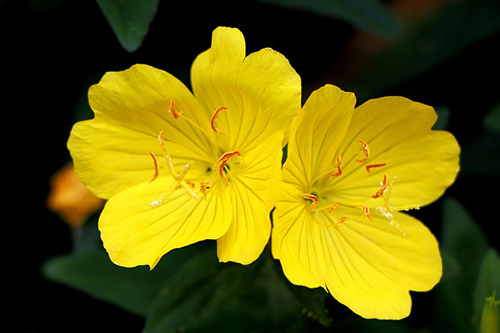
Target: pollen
(214,118)
(179,178)
(366,151)
(339,170)
(221,164)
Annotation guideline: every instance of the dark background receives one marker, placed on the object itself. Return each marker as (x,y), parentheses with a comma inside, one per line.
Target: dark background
(52,51)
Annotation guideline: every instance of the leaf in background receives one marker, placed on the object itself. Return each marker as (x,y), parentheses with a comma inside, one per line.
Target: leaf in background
(488,281)
(443,114)
(464,241)
(129,19)
(492,120)
(206,296)
(482,155)
(369,15)
(200,284)
(427,45)
(134,289)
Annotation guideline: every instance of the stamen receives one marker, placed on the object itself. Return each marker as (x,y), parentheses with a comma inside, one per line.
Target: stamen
(341,221)
(155,161)
(332,207)
(172,110)
(315,202)
(214,118)
(339,170)
(366,151)
(383,188)
(204,188)
(371,166)
(367,212)
(221,163)
(179,183)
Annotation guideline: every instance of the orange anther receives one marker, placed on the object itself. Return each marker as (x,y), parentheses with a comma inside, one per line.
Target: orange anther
(172,110)
(366,151)
(221,163)
(367,213)
(339,170)
(332,207)
(371,166)
(155,161)
(341,221)
(214,118)
(383,188)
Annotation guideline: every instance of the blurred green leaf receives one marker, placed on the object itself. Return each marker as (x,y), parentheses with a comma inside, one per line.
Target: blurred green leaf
(488,281)
(134,289)
(481,156)
(456,27)
(443,114)
(464,241)
(370,15)
(492,120)
(200,284)
(207,296)
(129,19)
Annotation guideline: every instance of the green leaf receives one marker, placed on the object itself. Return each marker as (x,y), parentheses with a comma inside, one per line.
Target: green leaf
(466,244)
(202,283)
(129,19)
(492,120)
(207,296)
(488,281)
(443,114)
(132,289)
(429,44)
(481,156)
(370,15)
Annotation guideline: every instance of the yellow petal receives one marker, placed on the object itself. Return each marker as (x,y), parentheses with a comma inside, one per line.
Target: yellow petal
(261,92)
(399,134)
(134,233)
(111,151)
(252,190)
(368,266)
(316,135)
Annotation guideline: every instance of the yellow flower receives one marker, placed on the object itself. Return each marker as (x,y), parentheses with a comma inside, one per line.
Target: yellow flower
(350,172)
(181,167)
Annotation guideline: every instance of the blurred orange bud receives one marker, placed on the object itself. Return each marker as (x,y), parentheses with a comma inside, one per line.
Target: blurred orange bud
(70,199)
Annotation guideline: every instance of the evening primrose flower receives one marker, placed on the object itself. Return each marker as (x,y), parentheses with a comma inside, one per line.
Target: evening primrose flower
(180,167)
(351,172)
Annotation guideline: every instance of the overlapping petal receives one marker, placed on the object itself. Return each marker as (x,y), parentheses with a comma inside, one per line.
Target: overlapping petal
(317,133)
(253,195)
(262,92)
(134,233)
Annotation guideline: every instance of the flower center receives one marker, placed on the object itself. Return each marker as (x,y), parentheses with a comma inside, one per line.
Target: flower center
(221,166)
(180,182)
(384,192)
